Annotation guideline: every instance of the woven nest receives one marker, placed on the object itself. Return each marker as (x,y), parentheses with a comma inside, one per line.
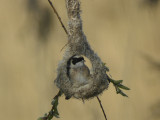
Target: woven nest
(78,45)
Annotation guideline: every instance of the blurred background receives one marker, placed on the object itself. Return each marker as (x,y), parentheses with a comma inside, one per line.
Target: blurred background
(124,33)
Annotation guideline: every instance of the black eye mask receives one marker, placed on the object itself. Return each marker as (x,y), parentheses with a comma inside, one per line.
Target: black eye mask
(76,60)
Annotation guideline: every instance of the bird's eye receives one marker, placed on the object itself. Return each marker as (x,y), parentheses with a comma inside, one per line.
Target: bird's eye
(74,62)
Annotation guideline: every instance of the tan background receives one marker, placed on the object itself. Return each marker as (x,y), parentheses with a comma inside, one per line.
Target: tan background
(124,33)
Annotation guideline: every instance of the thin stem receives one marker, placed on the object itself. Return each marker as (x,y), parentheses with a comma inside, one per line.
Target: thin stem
(102,107)
(55,11)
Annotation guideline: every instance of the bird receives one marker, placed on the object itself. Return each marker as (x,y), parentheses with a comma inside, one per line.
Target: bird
(77,72)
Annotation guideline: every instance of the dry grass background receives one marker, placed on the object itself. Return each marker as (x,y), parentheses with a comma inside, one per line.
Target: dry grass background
(125,34)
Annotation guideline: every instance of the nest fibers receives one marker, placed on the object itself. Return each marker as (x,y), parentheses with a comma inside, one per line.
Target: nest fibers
(78,45)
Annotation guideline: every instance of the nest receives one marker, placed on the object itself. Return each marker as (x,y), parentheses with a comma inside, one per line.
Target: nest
(78,45)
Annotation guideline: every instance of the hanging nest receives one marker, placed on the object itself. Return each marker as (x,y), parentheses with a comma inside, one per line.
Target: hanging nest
(78,45)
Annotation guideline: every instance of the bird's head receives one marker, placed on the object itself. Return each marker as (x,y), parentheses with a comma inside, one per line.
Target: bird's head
(75,61)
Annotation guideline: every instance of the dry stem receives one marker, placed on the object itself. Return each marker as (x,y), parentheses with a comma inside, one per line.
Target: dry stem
(55,11)
(101,107)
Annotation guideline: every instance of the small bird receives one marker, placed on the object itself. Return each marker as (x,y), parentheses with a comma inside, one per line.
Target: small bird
(77,71)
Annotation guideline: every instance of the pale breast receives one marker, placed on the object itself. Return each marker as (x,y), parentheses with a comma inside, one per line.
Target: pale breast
(79,76)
